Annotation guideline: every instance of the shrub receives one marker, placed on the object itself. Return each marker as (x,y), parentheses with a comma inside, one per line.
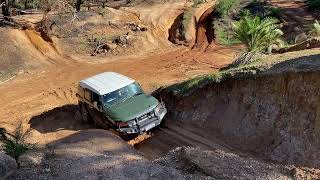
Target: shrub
(224,6)
(224,36)
(14,144)
(313,4)
(315,29)
(258,34)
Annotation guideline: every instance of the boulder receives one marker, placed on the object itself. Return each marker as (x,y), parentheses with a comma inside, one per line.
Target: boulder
(7,165)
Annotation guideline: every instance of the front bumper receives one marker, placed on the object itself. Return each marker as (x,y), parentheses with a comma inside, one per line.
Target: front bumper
(146,124)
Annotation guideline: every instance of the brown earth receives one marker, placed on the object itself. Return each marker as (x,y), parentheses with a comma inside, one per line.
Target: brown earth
(31,94)
(44,100)
(271,113)
(296,16)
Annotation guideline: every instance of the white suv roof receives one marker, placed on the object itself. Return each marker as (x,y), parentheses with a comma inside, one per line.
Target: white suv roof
(105,83)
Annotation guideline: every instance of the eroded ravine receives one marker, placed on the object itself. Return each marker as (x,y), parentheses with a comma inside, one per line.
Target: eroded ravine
(194,27)
(271,116)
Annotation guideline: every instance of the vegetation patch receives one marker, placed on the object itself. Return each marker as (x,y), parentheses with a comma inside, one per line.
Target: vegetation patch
(313,4)
(189,86)
(224,6)
(15,144)
(315,29)
(229,11)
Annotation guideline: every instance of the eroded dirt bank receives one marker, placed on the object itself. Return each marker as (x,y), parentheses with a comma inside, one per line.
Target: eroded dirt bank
(273,116)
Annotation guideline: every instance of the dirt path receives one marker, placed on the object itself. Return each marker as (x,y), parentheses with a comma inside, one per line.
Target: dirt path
(173,136)
(44,98)
(29,95)
(297,18)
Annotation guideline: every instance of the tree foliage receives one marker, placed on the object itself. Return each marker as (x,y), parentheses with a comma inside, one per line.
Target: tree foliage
(313,4)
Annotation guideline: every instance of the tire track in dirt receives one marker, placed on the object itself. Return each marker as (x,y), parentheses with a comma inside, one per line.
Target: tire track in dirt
(172,136)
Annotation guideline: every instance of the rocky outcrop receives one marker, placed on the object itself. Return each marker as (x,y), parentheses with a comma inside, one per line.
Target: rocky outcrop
(7,165)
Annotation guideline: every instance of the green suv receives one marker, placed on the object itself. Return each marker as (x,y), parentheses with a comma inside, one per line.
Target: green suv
(112,100)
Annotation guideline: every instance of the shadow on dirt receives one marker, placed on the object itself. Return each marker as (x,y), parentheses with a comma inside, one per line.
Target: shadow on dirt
(301,63)
(65,117)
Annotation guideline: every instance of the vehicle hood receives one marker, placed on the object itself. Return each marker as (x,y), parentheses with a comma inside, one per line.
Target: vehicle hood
(131,108)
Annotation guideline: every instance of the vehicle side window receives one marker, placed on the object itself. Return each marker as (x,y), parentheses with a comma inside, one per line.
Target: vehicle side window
(80,91)
(87,95)
(95,98)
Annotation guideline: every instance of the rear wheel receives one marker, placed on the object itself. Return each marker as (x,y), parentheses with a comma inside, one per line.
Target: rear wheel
(85,114)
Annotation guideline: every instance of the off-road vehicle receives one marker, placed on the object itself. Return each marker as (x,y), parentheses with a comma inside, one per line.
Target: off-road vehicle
(112,100)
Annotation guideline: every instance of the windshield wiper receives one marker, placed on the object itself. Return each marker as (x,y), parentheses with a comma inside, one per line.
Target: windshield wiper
(137,94)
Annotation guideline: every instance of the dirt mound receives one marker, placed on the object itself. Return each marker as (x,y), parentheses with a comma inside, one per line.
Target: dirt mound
(221,165)
(272,115)
(308,44)
(17,53)
(94,154)
(193,27)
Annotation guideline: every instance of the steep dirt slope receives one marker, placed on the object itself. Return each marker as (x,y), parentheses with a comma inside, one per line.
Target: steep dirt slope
(18,53)
(273,114)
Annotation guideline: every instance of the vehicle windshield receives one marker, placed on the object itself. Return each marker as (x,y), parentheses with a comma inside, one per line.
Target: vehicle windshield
(121,95)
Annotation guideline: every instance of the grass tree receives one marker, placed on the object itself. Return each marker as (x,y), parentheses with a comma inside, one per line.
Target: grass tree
(258,34)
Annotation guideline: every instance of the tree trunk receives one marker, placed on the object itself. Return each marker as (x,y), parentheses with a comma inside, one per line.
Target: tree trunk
(5,7)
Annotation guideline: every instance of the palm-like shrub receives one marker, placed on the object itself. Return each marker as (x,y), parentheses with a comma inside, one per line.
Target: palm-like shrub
(258,34)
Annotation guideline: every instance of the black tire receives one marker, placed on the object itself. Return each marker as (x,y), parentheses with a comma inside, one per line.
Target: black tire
(86,118)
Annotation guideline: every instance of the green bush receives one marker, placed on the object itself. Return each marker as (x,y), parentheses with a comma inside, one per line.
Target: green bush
(225,37)
(258,34)
(315,29)
(224,6)
(14,144)
(313,4)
